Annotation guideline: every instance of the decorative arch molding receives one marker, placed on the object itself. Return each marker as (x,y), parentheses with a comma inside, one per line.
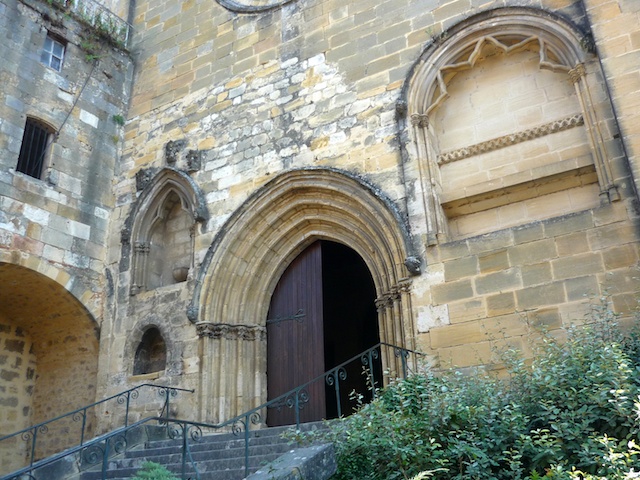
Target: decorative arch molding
(510,30)
(76,287)
(279,221)
(160,192)
(253,249)
(252,6)
(561,48)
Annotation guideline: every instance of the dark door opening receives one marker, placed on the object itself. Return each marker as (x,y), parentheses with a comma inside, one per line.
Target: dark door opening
(350,322)
(322,313)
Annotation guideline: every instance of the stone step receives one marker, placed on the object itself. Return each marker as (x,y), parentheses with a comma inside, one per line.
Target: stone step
(217,456)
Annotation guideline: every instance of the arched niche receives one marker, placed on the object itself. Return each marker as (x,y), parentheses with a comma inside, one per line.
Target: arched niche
(163,225)
(151,353)
(504,124)
(255,246)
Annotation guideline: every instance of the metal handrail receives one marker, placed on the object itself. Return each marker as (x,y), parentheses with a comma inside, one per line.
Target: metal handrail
(125,397)
(296,397)
(115,442)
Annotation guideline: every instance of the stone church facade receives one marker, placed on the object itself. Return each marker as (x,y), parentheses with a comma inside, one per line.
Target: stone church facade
(480,158)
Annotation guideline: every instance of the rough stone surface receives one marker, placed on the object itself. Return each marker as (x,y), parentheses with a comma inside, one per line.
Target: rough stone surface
(510,200)
(311,463)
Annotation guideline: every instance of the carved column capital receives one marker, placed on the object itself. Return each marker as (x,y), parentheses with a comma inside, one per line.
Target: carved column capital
(419,120)
(577,72)
(141,248)
(231,332)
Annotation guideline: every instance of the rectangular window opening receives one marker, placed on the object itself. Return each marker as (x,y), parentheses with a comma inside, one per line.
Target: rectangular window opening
(53,53)
(35,141)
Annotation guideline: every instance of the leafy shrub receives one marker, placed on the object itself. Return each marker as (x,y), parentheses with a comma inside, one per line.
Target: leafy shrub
(570,413)
(153,471)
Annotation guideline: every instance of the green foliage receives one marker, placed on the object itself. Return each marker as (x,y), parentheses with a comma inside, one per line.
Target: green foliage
(118,120)
(153,471)
(570,413)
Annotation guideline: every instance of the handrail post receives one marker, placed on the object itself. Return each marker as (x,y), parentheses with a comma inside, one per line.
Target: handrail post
(336,387)
(297,407)
(247,419)
(126,413)
(403,359)
(33,445)
(167,402)
(185,429)
(105,458)
(84,424)
(370,370)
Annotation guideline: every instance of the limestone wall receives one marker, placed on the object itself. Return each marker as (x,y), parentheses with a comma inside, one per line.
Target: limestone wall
(17,382)
(63,217)
(322,84)
(53,229)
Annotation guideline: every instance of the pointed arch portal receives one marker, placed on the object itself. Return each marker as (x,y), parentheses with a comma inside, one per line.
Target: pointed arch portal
(251,253)
(322,313)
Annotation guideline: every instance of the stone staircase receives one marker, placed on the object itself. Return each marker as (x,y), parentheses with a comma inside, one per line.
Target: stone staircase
(217,456)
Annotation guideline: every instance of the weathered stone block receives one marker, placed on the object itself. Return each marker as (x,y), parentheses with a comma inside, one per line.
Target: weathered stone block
(533,252)
(509,279)
(460,268)
(457,334)
(494,261)
(577,265)
(313,463)
(536,274)
(451,291)
(533,297)
(501,304)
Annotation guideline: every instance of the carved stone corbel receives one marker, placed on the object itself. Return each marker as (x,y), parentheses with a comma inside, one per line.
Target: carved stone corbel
(144,177)
(172,149)
(194,161)
(413,264)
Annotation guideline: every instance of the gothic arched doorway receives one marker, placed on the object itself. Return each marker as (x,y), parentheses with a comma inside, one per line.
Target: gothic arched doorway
(322,314)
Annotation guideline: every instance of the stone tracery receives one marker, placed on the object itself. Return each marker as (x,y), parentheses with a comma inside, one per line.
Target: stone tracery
(162,231)
(434,151)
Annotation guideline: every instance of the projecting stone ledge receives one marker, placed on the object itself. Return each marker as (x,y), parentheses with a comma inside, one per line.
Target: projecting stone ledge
(311,463)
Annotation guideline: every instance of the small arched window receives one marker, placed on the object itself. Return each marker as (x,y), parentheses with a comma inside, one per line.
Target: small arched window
(151,354)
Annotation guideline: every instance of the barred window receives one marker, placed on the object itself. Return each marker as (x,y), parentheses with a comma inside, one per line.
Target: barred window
(35,141)
(52,53)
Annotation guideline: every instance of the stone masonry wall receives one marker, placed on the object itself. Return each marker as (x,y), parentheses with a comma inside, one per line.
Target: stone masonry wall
(56,227)
(63,218)
(17,381)
(316,84)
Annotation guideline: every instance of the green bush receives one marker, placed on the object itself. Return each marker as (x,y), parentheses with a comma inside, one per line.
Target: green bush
(153,471)
(570,413)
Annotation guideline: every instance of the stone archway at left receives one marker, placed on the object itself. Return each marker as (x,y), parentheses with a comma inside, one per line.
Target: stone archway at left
(48,357)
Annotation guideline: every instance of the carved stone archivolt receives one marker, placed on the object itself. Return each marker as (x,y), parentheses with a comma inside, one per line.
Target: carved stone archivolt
(556,46)
(231,332)
(252,6)
(512,139)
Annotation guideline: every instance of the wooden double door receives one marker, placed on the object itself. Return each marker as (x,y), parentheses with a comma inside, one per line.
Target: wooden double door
(322,313)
